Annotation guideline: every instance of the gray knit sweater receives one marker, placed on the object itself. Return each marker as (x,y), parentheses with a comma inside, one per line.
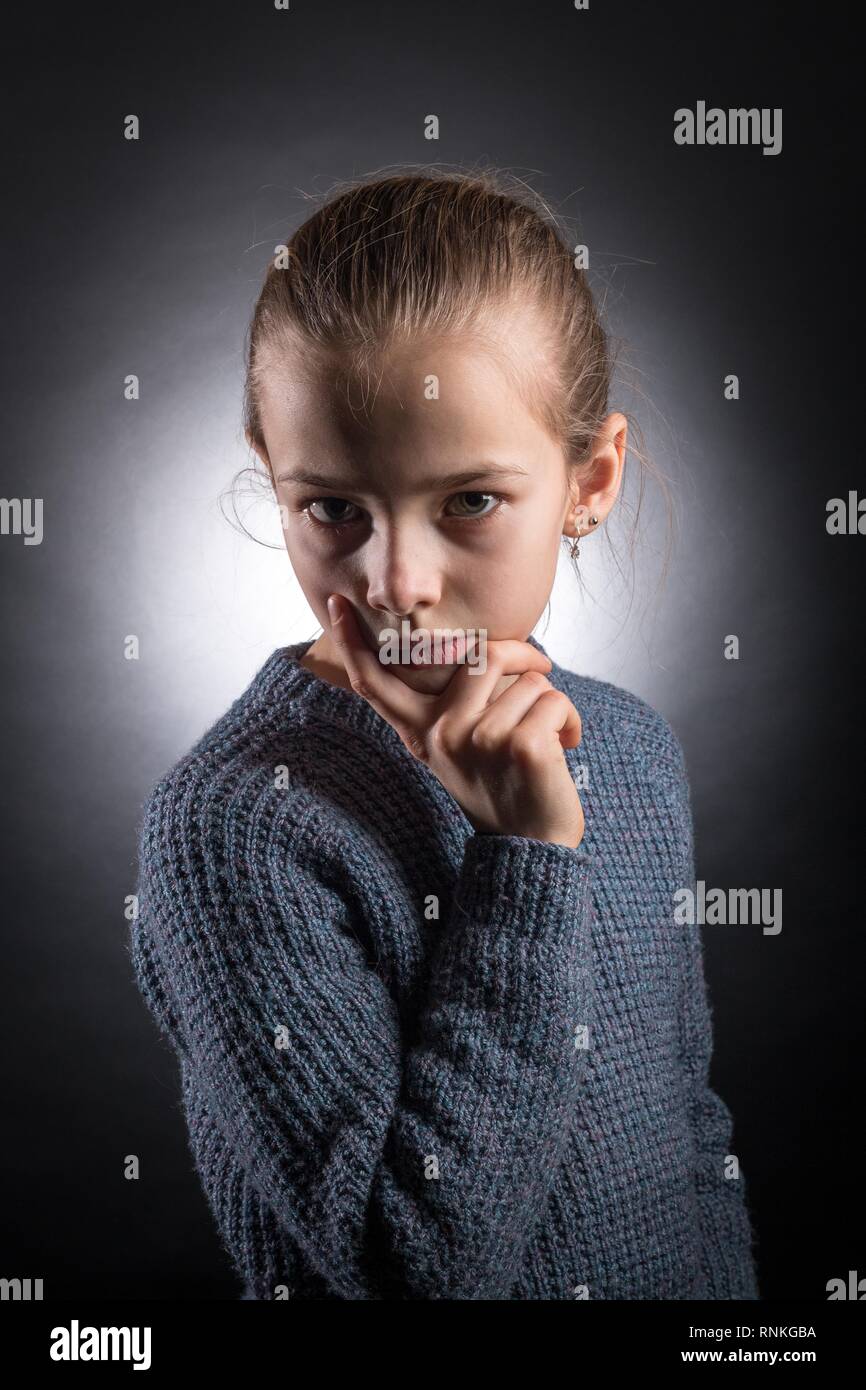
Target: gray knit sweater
(417,1062)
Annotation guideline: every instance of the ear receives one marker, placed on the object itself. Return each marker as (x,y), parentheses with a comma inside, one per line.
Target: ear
(576,480)
(602,475)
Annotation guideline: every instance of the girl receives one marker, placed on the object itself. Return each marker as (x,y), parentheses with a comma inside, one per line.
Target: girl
(440,1034)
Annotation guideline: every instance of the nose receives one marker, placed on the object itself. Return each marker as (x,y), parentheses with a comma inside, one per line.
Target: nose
(402,572)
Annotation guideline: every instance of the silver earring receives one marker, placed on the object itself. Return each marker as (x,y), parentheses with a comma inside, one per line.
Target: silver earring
(575,544)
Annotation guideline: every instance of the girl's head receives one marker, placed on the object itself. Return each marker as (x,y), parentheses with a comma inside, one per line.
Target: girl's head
(427,385)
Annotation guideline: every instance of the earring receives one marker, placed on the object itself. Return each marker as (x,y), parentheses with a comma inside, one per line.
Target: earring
(575,544)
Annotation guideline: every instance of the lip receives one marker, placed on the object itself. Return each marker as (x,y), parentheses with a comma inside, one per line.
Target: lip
(452,650)
(448,651)
(423,665)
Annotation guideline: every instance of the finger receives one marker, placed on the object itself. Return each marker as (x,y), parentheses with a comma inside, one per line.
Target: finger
(388,695)
(552,714)
(507,710)
(468,692)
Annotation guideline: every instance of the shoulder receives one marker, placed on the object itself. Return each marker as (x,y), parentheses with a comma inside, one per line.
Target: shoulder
(234,867)
(623,724)
(634,755)
(231,788)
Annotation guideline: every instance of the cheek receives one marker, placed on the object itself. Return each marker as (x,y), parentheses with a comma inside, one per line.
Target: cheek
(321,573)
(523,579)
(314,563)
(539,547)
(520,559)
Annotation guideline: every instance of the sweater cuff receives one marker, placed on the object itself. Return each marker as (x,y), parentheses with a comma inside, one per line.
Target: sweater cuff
(530,886)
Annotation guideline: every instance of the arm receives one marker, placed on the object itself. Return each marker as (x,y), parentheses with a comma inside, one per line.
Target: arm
(728,1259)
(399,1172)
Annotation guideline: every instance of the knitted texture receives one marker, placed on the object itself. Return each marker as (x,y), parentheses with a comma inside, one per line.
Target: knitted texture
(418,1062)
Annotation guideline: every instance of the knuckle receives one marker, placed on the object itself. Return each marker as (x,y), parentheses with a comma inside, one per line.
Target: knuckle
(438,736)
(526,745)
(483,739)
(537,678)
(360,688)
(576,720)
(444,738)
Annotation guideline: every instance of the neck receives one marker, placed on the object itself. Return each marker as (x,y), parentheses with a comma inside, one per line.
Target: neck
(324,661)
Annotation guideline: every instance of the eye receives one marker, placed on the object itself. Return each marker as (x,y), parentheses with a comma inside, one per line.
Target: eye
(342,520)
(479,516)
(332,521)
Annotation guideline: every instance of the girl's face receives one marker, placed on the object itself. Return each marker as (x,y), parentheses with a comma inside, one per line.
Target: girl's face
(445,505)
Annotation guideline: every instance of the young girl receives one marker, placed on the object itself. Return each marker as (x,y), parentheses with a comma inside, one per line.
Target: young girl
(411,928)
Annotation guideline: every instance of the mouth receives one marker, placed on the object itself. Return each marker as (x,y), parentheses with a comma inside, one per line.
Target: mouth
(449,651)
(421,665)
(436,650)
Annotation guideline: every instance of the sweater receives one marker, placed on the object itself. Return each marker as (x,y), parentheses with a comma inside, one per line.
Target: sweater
(418,1062)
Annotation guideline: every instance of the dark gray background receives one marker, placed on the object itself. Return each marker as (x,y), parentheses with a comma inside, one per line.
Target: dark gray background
(147,257)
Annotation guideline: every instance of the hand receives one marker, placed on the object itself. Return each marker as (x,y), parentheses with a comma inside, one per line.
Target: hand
(502,762)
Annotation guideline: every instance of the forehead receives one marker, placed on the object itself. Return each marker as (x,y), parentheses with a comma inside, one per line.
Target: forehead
(468,393)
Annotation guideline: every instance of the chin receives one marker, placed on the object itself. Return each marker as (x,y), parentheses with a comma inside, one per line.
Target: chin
(427,680)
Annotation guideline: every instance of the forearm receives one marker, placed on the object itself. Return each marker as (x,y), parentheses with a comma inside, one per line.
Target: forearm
(400,1170)
(490,1085)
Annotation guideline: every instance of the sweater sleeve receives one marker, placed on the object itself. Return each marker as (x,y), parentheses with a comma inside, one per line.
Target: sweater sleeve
(399,1171)
(728,1239)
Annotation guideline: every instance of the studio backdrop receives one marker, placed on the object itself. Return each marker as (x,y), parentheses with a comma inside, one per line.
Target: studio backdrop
(157,158)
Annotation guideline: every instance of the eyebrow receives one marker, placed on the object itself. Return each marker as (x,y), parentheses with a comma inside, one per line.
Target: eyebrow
(450,480)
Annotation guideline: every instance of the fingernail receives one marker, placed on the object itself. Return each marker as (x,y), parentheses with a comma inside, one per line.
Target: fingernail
(333,610)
